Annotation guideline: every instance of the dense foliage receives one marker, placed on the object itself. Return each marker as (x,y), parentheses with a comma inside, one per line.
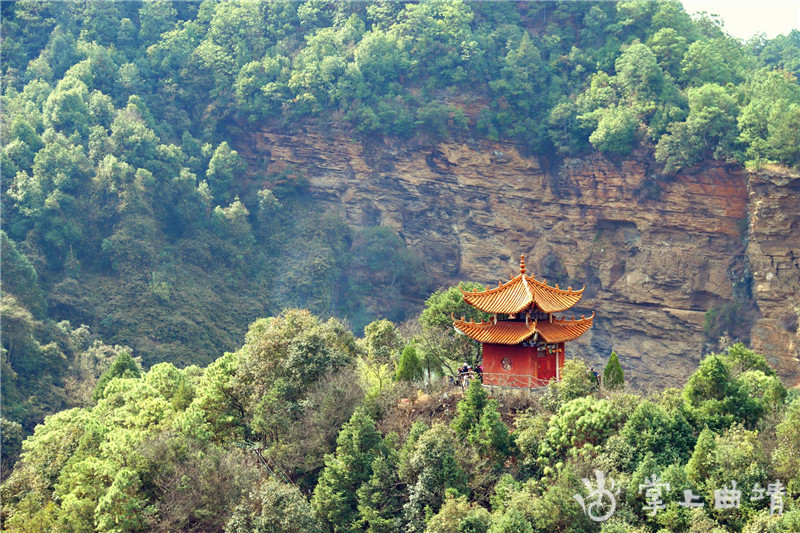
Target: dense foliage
(284,435)
(554,75)
(132,206)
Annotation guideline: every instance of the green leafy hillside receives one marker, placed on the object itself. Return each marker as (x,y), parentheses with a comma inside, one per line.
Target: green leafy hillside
(122,189)
(137,242)
(292,433)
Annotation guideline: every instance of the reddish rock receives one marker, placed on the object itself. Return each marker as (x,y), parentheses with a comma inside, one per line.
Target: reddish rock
(655,253)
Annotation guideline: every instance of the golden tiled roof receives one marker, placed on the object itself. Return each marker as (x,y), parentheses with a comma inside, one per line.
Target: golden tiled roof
(515,332)
(510,332)
(523,292)
(563,329)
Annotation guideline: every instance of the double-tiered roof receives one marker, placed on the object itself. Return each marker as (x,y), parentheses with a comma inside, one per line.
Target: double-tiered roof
(524,294)
(511,332)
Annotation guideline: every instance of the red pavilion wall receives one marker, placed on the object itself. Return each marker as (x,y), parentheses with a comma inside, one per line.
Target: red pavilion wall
(525,362)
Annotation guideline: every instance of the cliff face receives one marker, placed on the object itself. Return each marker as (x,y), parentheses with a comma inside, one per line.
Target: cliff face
(654,256)
(773,250)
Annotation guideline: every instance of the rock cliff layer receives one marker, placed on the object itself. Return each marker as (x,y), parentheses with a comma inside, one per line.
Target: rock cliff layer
(773,251)
(655,255)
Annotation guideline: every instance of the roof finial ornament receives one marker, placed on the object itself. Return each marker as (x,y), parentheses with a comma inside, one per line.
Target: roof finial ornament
(522,264)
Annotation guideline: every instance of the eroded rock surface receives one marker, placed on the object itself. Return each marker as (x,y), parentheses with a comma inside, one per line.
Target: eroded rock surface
(655,255)
(773,250)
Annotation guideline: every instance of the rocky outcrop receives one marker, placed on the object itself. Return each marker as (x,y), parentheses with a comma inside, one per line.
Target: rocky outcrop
(773,250)
(654,254)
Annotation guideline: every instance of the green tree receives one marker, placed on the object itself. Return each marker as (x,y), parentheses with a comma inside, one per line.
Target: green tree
(381,499)
(669,47)
(435,469)
(613,376)
(717,395)
(224,170)
(262,87)
(20,278)
(409,367)
(782,52)
(335,499)
(530,431)
(382,341)
(770,96)
(652,429)
(577,381)
(511,521)
(736,454)
(155,18)
(785,135)
(172,383)
(786,456)
(66,109)
(638,74)
(564,128)
(478,421)
(709,130)
(11,440)
(131,138)
(615,130)
(579,427)
(124,366)
(719,61)
(122,509)
(274,508)
(45,454)
(458,515)
(521,93)
(438,339)
(232,223)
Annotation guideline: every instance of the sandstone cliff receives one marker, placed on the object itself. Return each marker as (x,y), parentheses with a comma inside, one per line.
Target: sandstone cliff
(773,251)
(655,255)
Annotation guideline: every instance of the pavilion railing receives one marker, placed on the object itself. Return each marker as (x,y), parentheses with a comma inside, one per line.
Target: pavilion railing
(516,381)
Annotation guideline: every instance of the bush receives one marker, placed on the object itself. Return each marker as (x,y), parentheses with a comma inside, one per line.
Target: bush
(613,377)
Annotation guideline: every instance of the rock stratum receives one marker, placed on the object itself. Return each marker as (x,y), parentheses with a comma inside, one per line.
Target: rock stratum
(655,254)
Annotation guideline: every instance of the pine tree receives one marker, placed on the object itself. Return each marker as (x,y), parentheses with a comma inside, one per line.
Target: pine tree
(409,368)
(124,366)
(335,500)
(478,420)
(437,470)
(470,409)
(613,377)
(122,509)
(381,499)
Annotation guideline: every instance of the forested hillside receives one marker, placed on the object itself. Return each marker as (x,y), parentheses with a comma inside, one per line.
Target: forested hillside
(303,429)
(138,246)
(121,189)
